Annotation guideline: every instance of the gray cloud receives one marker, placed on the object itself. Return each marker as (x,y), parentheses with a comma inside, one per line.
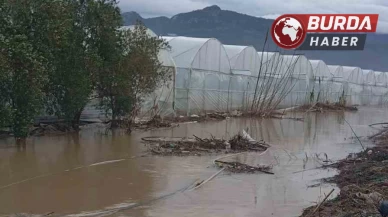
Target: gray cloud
(262,8)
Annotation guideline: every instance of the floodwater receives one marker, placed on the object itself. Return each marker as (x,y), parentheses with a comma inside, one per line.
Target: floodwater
(99,174)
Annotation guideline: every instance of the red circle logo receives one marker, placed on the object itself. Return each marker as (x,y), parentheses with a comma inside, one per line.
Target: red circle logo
(288,32)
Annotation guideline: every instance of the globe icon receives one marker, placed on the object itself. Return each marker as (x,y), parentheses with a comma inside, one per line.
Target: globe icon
(288,32)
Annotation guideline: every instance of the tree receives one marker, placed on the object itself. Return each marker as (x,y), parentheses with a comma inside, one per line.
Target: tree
(104,20)
(51,53)
(55,53)
(136,73)
(23,66)
(70,84)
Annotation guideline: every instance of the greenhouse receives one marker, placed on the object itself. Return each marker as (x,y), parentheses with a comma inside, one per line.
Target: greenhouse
(354,78)
(369,77)
(369,82)
(339,85)
(212,77)
(245,65)
(208,76)
(272,85)
(323,81)
(161,101)
(202,76)
(243,59)
(320,70)
(382,83)
(376,82)
(271,62)
(354,75)
(381,79)
(297,80)
(336,71)
(254,79)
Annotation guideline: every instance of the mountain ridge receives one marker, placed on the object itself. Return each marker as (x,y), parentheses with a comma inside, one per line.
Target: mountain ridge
(235,28)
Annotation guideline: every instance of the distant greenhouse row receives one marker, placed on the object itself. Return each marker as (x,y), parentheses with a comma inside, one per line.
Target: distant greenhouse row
(210,76)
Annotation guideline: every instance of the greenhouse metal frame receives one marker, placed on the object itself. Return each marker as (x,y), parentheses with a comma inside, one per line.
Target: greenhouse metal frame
(211,77)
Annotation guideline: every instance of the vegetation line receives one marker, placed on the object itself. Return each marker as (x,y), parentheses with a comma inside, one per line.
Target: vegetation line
(70,54)
(363,148)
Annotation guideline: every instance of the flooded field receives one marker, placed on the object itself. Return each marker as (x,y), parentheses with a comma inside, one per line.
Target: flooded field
(98,174)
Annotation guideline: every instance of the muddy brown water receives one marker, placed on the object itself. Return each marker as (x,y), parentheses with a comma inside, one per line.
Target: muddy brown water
(92,174)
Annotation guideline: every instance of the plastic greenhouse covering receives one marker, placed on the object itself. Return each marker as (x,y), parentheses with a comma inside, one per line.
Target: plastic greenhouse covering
(374,91)
(369,81)
(211,77)
(325,88)
(273,86)
(382,83)
(339,83)
(382,79)
(336,71)
(245,66)
(369,77)
(298,71)
(354,88)
(203,74)
(271,62)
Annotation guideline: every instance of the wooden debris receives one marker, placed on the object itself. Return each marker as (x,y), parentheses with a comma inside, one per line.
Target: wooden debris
(237,167)
(182,146)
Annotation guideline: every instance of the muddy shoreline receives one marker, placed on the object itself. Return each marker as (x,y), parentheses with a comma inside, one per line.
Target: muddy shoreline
(362,180)
(157,122)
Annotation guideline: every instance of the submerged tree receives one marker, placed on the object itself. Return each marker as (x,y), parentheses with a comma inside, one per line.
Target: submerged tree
(77,55)
(23,63)
(51,53)
(137,73)
(54,54)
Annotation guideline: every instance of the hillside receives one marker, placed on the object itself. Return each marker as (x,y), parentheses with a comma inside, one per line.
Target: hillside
(240,29)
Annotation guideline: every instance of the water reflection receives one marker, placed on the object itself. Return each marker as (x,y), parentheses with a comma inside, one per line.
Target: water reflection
(62,172)
(40,170)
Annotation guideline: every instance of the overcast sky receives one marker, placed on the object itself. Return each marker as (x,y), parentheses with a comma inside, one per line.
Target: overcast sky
(261,8)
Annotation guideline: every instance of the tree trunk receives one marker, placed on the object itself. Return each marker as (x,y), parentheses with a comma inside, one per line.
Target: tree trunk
(114,122)
(21,144)
(129,126)
(76,120)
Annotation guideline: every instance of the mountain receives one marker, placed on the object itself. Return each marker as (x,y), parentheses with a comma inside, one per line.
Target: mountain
(131,17)
(240,29)
(228,26)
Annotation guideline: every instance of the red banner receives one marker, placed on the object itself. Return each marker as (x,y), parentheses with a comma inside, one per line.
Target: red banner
(338,22)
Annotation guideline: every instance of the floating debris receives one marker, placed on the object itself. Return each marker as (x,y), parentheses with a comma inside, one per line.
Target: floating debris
(155,122)
(197,146)
(52,128)
(166,122)
(322,107)
(237,167)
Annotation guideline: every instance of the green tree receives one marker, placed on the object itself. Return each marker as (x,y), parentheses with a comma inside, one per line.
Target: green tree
(55,53)
(103,18)
(70,83)
(5,86)
(23,66)
(136,73)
